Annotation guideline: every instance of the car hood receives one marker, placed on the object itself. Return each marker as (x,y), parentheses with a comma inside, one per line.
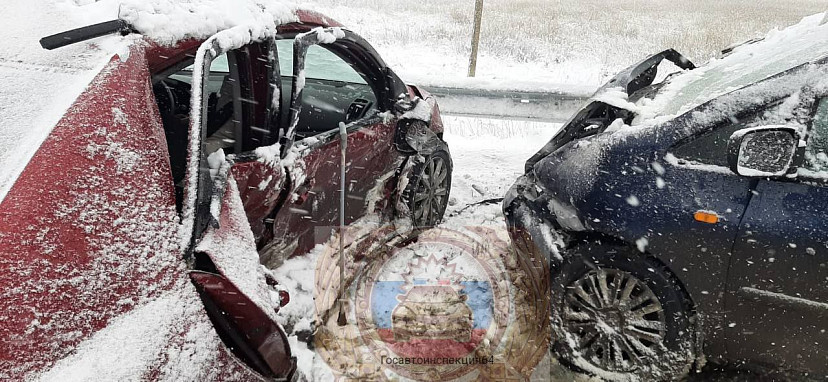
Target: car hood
(741,66)
(36,86)
(777,52)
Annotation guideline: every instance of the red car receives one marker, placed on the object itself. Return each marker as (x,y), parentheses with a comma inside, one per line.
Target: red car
(132,241)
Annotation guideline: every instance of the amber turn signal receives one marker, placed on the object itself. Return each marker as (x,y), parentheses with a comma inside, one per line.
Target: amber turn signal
(706,217)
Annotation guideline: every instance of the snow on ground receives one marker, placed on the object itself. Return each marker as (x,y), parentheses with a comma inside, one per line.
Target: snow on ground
(551,45)
(488,156)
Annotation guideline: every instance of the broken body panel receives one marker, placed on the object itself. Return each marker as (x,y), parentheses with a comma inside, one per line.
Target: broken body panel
(90,233)
(627,189)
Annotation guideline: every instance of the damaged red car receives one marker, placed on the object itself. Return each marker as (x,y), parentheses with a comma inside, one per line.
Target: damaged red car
(137,239)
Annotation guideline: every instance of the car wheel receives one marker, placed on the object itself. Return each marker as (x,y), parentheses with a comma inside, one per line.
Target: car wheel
(620,316)
(428,189)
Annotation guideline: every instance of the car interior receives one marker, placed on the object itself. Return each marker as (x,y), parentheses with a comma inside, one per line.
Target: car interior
(172,93)
(335,92)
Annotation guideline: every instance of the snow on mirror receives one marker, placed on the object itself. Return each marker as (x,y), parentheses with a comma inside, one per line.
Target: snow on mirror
(765,151)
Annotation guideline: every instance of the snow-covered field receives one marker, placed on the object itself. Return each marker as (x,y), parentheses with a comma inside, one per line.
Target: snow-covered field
(552,44)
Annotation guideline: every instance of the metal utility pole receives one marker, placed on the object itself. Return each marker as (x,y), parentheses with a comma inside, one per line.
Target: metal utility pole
(478,18)
(342,320)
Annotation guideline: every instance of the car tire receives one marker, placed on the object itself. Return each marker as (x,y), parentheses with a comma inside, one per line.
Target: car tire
(620,316)
(427,192)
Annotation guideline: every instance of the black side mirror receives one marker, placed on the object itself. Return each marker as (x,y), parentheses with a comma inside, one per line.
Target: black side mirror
(764,151)
(590,125)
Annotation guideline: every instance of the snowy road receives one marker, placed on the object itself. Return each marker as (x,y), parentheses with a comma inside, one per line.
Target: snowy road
(488,155)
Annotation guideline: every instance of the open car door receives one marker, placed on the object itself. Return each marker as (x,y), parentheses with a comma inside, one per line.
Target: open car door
(225,200)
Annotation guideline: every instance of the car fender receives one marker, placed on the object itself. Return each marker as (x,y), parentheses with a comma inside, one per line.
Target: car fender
(89,230)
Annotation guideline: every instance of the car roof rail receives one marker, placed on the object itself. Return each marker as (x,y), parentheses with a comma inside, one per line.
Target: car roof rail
(86,33)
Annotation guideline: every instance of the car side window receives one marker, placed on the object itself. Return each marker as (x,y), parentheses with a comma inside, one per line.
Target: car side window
(172,89)
(816,151)
(222,114)
(335,90)
(711,147)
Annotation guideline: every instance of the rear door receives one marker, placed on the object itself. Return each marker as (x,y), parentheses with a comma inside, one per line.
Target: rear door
(778,284)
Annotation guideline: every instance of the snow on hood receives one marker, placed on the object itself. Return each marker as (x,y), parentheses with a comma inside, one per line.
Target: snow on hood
(779,51)
(38,86)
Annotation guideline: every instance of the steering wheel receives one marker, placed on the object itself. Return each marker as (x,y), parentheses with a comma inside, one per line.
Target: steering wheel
(166,98)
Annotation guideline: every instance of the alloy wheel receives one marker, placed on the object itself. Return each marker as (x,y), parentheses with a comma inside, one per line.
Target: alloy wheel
(616,321)
(431,192)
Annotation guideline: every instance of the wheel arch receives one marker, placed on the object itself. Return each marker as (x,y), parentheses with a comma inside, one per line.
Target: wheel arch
(581,238)
(696,312)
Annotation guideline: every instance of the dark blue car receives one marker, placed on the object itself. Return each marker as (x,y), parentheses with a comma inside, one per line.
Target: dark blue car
(687,220)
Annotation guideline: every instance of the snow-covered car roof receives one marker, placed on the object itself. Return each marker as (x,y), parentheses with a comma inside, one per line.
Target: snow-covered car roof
(38,86)
(747,64)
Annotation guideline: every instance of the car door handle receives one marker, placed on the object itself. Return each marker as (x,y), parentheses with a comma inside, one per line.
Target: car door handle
(302,193)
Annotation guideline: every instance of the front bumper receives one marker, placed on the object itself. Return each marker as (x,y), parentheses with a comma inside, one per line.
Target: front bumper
(539,224)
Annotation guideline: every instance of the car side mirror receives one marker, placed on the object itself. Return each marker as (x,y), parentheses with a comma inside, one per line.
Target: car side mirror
(764,151)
